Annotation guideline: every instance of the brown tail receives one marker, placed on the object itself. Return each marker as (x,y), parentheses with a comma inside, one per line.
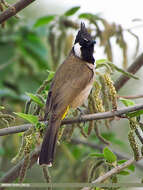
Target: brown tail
(49,142)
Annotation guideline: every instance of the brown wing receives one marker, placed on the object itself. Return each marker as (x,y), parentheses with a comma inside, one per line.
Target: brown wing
(70,79)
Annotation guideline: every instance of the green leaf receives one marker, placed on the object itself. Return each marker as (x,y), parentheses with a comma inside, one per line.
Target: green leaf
(35,99)
(96,155)
(89,16)
(127,102)
(20,134)
(109,155)
(72,11)
(131,168)
(130,75)
(44,20)
(121,161)
(99,61)
(86,15)
(102,62)
(1,107)
(124,173)
(31,118)
(50,75)
(40,126)
(135,114)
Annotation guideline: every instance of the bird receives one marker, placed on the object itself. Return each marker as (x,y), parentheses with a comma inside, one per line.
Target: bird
(69,88)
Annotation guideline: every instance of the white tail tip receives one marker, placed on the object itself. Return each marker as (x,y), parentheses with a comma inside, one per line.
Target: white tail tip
(49,165)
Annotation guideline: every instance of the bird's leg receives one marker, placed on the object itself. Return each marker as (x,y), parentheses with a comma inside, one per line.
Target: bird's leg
(81,111)
(118,117)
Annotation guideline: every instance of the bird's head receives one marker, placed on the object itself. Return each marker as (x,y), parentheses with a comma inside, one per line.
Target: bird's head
(84,45)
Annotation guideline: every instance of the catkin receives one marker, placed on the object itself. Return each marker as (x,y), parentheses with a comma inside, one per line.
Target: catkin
(112,91)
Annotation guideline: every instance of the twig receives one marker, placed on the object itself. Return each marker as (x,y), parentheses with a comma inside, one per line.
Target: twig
(138,133)
(113,171)
(131,97)
(15,129)
(83,118)
(7,6)
(104,141)
(136,65)
(47,175)
(11,11)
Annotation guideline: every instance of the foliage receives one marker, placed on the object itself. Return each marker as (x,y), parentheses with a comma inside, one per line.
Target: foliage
(44,20)
(31,118)
(104,162)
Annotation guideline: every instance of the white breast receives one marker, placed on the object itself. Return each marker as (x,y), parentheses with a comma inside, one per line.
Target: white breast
(79,100)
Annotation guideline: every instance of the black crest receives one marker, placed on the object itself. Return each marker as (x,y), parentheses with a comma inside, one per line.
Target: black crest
(87,44)
(83,34)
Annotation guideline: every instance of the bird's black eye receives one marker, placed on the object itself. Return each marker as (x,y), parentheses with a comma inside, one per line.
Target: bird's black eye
(84,42)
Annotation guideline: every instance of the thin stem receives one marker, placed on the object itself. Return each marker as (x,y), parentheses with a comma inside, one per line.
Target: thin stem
(113,171)
(131,97)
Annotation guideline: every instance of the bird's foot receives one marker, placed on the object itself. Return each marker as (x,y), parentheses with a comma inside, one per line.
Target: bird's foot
(118,117)
(81,111)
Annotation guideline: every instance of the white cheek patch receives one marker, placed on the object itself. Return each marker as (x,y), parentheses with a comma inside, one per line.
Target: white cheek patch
(77,50)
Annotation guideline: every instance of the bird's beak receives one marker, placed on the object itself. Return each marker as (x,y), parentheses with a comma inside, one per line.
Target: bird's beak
(92,42)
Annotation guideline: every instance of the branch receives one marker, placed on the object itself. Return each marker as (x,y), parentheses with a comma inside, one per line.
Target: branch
(113,171)
(136,65)
(84,118)
(15,129)
(13,173)
(11,11)
(132,97)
